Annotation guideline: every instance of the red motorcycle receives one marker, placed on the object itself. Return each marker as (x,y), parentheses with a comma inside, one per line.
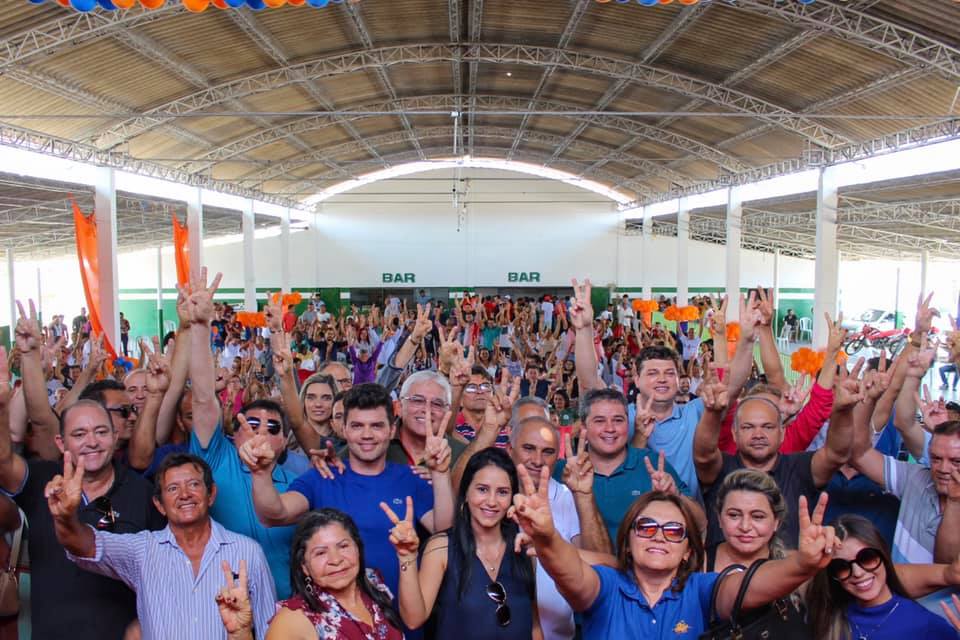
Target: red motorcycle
(893,340)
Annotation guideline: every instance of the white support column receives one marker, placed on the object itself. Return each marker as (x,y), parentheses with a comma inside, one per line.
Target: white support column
(285,251)
(646,249)
(734,234)
(195,231)
(776,290)
(13,294)
(924,260)
(249,278)
(828,259)
(40,297)
(683,252)
(105,214)
(317,244)
(160,331)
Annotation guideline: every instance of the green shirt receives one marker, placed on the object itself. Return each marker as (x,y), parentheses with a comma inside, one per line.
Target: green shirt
(616,492)
(396,452)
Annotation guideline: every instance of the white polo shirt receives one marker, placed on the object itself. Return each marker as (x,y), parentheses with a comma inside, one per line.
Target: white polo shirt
(556,616)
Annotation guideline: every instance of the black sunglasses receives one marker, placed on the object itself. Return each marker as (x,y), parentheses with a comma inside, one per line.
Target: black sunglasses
(125,410)
(108,517)
(868,559)
(498,594)
(273,425)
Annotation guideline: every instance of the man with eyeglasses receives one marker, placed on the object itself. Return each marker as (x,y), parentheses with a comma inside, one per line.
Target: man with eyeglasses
(112,499)
(423,393)
(470,401)
(366,480)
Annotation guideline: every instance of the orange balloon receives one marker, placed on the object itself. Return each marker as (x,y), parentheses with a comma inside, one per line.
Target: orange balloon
(665,1)
(274,4)
(688,1)
(196,5)
(220,4)
(65,3)
(123,4)
(152,4)
(296,3)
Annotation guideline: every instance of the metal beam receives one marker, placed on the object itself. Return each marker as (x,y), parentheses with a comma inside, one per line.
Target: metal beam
(315,183)
(454,27)
(474,27)
(909,46)
(360,26)
(628,127)
(68,90)
(593,64)
(533,137)
(577,12)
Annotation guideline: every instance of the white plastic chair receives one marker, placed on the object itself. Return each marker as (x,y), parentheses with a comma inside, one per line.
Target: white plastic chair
(783,344)
(805,326)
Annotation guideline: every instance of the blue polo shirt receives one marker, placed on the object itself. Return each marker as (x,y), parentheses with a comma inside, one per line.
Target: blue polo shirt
(621,611)
(233,507)
(674,436)
(360,496)
(616,492)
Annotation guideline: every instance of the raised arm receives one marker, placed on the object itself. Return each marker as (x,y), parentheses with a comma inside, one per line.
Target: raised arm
(143,444)
(706,453)
(778,578)
(847,393)
(905,407)
(273,508)
(718,331)
(88,374)
(578,476)
(13,468)
(585,354)
(742,363)
(179,368)
(63,494)
(206,409)
(769,354)
(576,581)
(45,423)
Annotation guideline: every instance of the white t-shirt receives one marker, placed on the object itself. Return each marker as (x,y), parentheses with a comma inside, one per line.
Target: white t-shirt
(547,308)
(626,315)
(323,316)
(556,616)
(690,346)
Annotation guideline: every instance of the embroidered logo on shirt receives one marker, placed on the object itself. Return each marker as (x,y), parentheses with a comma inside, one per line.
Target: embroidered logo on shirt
(397,501)
(681,627)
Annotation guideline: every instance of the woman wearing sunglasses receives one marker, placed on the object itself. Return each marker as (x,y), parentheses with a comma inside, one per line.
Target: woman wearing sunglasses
(658,589)
(335,596)
(470,577)
(860,596)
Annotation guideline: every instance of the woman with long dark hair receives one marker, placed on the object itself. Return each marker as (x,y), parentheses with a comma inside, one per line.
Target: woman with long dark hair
(470,577)
(335,596)
(860,596)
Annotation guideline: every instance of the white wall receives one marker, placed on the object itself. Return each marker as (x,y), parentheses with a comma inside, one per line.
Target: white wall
(410,225)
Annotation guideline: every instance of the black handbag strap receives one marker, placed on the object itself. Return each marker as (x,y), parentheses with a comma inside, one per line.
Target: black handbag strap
(716,588)
(738,603)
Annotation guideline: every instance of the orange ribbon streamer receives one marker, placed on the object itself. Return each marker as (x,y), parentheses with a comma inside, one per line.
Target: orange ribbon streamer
(181,251)
(86,228)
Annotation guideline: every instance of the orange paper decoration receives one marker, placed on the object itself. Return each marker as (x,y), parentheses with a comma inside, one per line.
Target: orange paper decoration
(645,306)
(808,361)
(287,299)
(181,251)
(252,319)
(86,231)
(733,331)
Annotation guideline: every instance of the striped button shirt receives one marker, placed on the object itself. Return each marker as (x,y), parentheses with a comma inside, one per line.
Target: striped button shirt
(172,603)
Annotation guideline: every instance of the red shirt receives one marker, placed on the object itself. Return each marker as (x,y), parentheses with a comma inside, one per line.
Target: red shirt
(800,432)
(289,321)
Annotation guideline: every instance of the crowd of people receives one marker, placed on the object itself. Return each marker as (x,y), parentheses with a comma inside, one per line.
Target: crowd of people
(480,468)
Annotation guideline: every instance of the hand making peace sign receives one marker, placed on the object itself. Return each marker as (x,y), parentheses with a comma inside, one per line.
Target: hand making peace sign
(27,334)
(323,459)
(532,505)
(581,308)
(198,298)
(437,450)
(578,472)
(403,535)
(256,452)
(233,600)
(644,421)
(423,325)
(817,542)
(660,480)
(64,492)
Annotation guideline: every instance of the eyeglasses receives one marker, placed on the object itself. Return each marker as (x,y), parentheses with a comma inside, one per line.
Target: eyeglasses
(868,559)
(125,410)
(273,425)
(498,594)
(648,527)
(484,387)
(419,402)
(108,517)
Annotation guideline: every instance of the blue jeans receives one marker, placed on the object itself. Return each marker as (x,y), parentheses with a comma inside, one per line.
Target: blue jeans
(949,368)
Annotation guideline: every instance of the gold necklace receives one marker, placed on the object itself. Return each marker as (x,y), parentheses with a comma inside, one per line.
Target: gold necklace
(486,563)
